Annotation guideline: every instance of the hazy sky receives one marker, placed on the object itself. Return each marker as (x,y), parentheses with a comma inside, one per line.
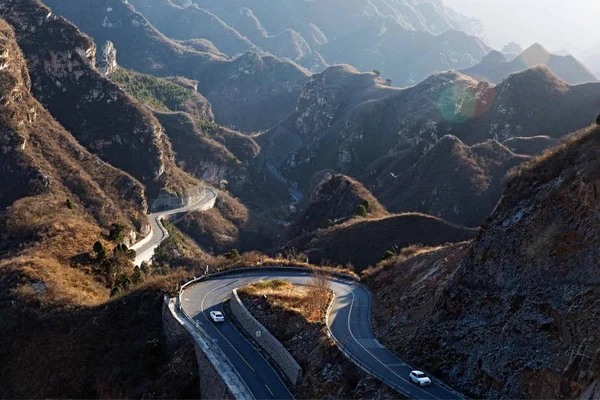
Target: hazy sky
(556,24)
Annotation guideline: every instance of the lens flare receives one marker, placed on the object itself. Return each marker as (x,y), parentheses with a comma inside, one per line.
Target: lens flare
(459,103)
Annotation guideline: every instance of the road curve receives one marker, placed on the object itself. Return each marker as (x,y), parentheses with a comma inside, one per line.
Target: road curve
(145,248)
(348,321)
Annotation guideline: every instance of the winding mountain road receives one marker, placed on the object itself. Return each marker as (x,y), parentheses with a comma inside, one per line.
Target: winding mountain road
(348,321)
(145,247)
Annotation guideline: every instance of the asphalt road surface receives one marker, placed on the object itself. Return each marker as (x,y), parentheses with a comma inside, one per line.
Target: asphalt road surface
(145,248)
(348,320)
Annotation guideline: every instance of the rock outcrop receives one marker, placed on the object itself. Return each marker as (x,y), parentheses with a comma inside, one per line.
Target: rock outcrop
(250,93)
(107,62)
(43,166)
(451,180)
(517,317)
(61,61)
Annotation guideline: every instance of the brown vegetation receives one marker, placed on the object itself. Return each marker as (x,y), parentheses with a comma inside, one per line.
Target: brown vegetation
(363,242)
(230,225)
(336,199)
(288,312)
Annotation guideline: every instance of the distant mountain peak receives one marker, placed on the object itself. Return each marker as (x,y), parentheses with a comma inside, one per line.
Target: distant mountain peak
(512,48)
(539,72)
(535,51)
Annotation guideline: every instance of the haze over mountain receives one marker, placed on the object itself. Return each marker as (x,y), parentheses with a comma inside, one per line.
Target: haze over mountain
(556,24)
(495,67)
(183,138)
(238,89)
(406,40)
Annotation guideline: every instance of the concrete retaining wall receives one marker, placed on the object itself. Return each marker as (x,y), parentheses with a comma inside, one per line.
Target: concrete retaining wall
(266,340)
(218,378)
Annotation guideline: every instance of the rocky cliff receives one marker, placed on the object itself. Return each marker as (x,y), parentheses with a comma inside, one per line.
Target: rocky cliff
(56,197)
(345,121)
(450,180)
(516,317)
(252,92)
(406,40)
(61,61)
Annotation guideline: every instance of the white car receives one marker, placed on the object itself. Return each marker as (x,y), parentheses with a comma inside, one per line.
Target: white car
(419,378)
(217,316)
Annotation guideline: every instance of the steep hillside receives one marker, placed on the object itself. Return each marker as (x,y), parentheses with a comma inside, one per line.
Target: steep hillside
(530,146)
(418,15)
(223,158)
(230,225)
(451,180)
(407,40)
(517,316)
(531,103)
(495,67)
(336,199)
(61,335)
(345,120)
(340,113)
(216,155)
(47,167)
(164,94)
(61,62)
(245,33)
(511,51)
(363,242)
(252,92)
(192,23)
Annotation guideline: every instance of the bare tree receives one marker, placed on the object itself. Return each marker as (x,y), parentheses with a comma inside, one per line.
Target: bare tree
(318,293)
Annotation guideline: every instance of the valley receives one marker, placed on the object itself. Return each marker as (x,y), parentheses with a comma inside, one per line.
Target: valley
(406,211)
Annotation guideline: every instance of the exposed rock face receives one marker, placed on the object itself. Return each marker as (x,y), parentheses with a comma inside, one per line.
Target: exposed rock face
(250,93)
(531,103)
(41,162)
(511,51)
(107,62)
(405,39)
(451,180)
(61,61)
(334,200)
(192,23)
(496,66)
(345,121)
(206,158)
(517,317)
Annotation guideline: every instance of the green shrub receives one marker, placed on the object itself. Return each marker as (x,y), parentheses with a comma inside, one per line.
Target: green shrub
(158,93)
(122,250)
(366,204)
(137,276)
(328,223)
(376,72)
(116,233)
(100,251)
(233,254)
(69,204)
(388,254)
(361,211)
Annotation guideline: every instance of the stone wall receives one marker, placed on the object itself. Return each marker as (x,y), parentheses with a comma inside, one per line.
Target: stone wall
(218,378)
(265,339)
